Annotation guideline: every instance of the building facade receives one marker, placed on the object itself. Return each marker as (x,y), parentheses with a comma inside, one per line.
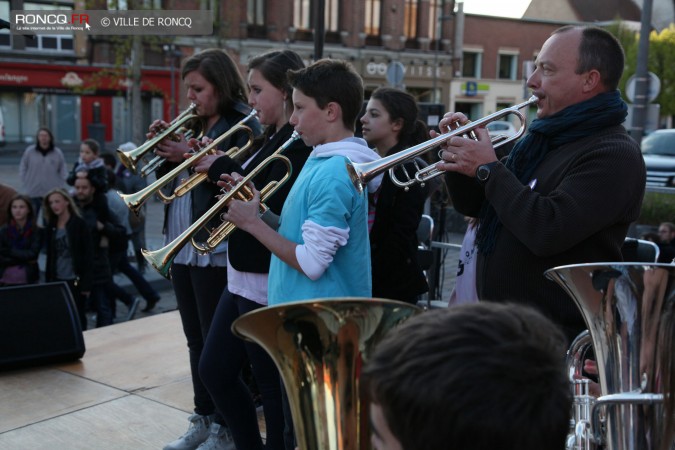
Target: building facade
(445,58)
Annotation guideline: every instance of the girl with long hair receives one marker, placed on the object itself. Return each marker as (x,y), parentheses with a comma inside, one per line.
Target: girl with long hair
(390,125)
(224,354)
(20,241)
(69,247)
(214,84)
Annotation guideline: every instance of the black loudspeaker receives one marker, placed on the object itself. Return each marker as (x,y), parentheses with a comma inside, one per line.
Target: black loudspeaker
(39,324)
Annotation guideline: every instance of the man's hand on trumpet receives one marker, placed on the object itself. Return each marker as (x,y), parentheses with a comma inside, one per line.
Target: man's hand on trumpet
(463,154)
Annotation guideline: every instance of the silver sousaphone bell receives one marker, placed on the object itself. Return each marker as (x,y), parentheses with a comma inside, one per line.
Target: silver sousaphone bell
(629,311)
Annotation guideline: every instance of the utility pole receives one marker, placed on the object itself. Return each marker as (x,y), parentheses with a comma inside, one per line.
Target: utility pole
(642,74)
(319,28)
(137,134)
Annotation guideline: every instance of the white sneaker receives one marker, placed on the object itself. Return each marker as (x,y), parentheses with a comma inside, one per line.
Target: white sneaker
(197,432)
(219,439)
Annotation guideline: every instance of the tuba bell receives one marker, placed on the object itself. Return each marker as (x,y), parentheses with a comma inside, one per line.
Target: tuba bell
(628,309)
(319,347)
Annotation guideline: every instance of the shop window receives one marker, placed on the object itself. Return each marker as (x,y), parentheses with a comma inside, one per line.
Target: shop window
(372,18)
(303,15)
(255,16)
(49,42)
(507,66)
(472,64)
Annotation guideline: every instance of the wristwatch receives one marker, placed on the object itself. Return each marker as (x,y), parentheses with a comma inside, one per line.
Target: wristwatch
(483,171)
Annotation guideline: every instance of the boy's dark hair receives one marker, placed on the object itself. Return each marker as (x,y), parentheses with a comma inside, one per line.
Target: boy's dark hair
(481,376)
(332,80)
(109,160)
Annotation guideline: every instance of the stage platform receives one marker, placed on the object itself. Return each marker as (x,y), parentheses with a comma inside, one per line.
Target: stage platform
(131,390)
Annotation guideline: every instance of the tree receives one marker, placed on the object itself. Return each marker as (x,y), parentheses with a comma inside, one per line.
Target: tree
(661,61)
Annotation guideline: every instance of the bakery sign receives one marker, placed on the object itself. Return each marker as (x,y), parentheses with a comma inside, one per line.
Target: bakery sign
(37,77)
(71,79)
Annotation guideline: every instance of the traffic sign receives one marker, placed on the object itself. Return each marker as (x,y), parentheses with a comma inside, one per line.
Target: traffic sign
(654,87)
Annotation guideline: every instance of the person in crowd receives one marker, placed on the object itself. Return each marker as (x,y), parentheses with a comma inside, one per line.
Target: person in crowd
(477,376)
(464,290)
(105,230)
(320,248)
(213,83)
(20,242)
(547,204)
(389,125)
(224,354)
(666,250)
(667,233)
(7,194)
(69,248)
(128,182)
(119,262)
(90,165)
(42,168)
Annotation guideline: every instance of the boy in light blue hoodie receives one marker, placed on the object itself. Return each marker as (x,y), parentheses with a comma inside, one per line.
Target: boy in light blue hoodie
(321,247)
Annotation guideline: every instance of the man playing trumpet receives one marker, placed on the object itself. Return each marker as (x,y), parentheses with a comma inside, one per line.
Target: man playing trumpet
(569,189)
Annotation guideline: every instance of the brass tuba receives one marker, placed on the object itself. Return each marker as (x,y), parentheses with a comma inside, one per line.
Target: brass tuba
(628,310)
(319,347)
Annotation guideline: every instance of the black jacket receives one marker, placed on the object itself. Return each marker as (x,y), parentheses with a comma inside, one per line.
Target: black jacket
(246,254)
(81,248)
(396,271)
(27,257)
(204,195)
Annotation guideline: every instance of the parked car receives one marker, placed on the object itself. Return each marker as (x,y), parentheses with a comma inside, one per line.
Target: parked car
(658,151)
(501,128)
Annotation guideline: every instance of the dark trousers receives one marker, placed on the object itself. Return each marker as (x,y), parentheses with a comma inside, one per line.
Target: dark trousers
(198,290)
(220,369)
(80,302)
(102,302)
(120,263)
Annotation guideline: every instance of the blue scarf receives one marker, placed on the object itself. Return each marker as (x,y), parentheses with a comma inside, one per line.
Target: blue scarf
(19,239)
(544,135)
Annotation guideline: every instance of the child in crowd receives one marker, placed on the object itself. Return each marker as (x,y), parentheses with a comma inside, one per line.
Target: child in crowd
(90,163)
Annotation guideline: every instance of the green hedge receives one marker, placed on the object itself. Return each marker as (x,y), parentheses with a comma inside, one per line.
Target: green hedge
(657,207)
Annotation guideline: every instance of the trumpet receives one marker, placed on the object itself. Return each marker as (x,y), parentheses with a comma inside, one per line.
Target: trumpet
(131,158)
(162,258)
(135,201)
(362,173)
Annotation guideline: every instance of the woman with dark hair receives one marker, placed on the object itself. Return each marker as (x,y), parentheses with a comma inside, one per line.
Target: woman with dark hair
(214,84)
(224,354)
(20,242)
(69,247)
(42,168)
(390,125)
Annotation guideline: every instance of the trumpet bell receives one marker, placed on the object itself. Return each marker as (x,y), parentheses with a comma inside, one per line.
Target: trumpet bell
(319,347)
